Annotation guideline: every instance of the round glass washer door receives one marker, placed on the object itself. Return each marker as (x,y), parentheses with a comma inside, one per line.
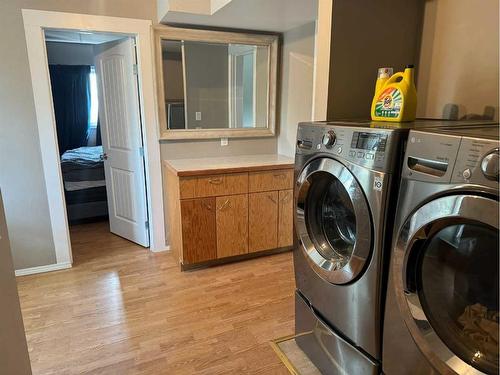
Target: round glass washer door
(333,221)
(449,249)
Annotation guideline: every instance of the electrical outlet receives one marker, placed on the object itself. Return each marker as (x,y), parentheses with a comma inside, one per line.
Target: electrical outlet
(198,116)
(223,141)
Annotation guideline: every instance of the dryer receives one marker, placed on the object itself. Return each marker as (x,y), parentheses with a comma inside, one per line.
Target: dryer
(346,175)
(442,305)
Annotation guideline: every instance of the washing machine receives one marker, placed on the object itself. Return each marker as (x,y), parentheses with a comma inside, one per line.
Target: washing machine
(346,175)
(441,313)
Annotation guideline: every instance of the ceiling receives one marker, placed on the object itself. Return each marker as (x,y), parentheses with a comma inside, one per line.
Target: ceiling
(82,37)
(261,15)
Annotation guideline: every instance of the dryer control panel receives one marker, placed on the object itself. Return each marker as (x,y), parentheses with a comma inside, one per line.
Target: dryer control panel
(452,158)
(366,147)
(477,162)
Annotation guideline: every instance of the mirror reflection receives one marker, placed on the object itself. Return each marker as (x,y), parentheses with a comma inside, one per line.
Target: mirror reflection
(215,85)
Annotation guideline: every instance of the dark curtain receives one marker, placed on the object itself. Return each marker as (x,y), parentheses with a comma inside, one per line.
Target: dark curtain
(71,96)
(98,139)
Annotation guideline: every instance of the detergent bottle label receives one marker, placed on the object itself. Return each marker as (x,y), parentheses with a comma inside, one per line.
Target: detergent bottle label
(389,103)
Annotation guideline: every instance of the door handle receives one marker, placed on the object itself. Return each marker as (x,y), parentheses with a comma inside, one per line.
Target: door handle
(215,181)
(105,156)
(226,204)
(272,199)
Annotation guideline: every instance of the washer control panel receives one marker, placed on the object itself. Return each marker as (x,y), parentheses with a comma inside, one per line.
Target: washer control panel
(362,146)
(329,138)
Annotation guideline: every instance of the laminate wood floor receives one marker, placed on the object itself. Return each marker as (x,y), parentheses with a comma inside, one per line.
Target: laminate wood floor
(124,310)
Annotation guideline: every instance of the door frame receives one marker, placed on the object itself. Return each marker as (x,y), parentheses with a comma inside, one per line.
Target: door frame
(35,22)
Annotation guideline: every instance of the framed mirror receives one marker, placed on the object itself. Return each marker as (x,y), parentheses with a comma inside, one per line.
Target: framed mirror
(215,84)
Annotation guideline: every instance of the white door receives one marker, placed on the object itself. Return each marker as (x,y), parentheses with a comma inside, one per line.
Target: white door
(120,121)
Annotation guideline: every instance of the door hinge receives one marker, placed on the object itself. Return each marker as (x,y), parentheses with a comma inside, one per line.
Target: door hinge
(141,151)
(135,69)
(146,224)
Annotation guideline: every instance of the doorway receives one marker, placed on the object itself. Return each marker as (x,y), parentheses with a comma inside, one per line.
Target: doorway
(138,31)
(97,112)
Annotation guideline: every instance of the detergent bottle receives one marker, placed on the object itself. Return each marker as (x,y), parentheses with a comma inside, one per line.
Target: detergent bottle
(395,97)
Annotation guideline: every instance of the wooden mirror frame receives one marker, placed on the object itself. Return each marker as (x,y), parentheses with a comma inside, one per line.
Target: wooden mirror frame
(175,33)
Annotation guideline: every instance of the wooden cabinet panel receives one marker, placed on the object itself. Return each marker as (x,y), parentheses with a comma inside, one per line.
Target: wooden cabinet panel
(187,187)
(285,218)
(262,221)
(222,184)
(232,225)
(198,230)
(279,179)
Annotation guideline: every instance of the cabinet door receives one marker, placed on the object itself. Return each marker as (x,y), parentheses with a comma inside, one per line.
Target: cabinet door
(285,218)
(263,221)
(198,230)
(232,225)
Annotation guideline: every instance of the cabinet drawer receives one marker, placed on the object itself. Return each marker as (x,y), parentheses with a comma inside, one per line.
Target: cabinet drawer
(213,186)
(223,184)
(280,179)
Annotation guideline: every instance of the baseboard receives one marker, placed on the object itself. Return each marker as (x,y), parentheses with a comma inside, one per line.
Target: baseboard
(160,250)
(42,269)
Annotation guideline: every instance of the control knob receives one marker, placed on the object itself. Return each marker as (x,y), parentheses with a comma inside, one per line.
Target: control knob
(329,138)
(490,165)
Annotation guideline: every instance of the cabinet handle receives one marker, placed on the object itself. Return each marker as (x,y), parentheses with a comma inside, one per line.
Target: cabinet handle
(215,181)
(285,197)
(272,199)
(226,204)
(207,206)
(281,176)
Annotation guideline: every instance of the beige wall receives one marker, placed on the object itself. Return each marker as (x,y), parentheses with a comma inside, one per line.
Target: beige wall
(459,59)
(297,84)
(21,175)
(14,357)
(212,148)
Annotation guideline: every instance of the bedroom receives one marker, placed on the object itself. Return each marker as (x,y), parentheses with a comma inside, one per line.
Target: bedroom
(92,123)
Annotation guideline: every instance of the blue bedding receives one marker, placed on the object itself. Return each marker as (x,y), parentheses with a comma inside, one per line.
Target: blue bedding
(82,158)
(83,168)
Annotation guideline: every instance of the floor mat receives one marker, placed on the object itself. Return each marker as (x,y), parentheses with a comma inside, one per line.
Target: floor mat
(295,360)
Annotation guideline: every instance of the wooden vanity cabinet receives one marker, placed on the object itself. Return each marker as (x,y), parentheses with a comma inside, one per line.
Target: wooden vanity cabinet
(222,214)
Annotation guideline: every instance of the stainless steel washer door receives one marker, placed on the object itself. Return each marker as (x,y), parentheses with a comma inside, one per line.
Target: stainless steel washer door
(333,221)
(446,280)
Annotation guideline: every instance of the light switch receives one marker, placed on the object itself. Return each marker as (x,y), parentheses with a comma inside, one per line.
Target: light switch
(198,116)
(223,141)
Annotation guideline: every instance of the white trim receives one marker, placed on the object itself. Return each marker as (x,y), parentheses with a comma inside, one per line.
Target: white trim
(41,269)
(322,51)
(166,248)
(34,23)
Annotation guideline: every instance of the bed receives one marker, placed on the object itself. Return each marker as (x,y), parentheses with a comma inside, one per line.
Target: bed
(84,183)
